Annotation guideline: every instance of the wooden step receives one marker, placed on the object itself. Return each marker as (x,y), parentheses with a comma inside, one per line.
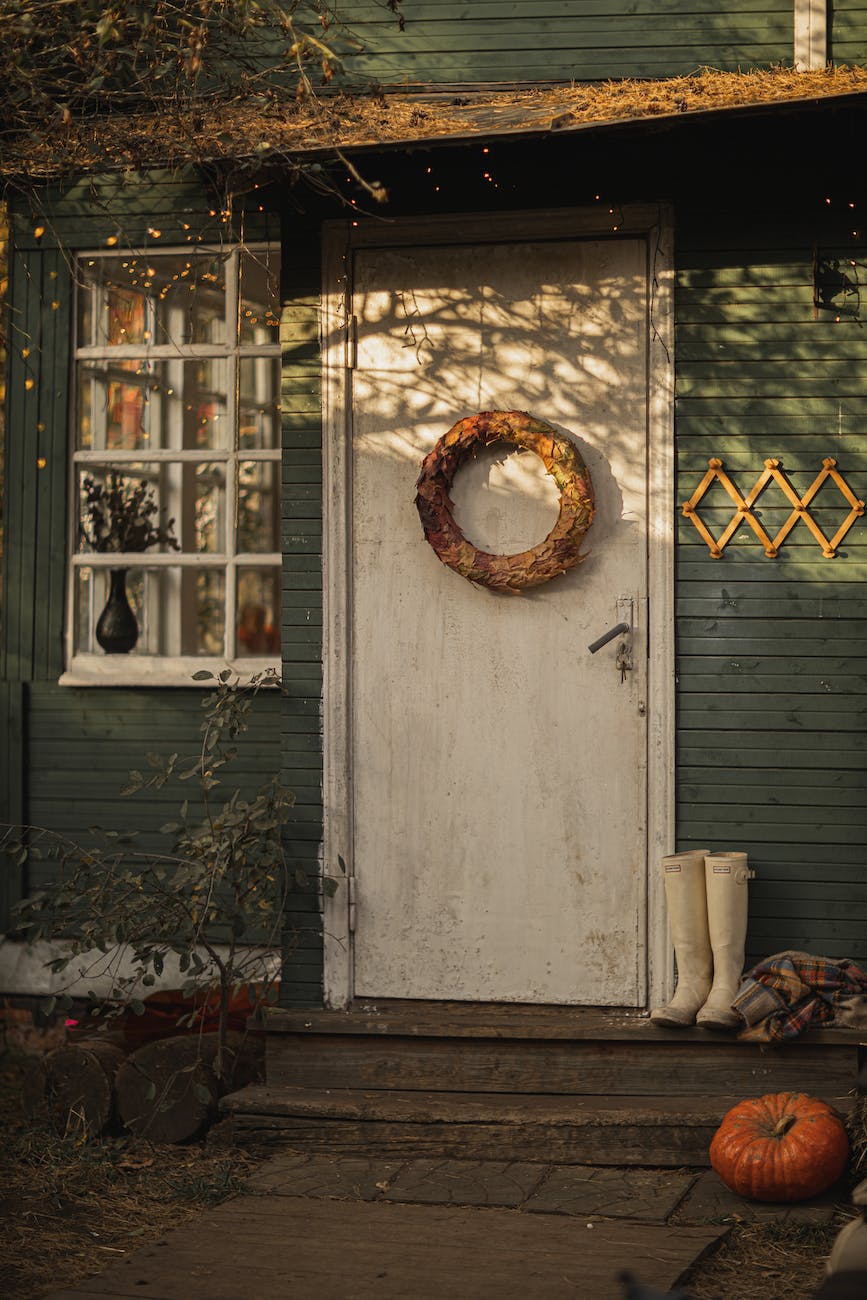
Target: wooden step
(582,1067)
(487,1081)
(402,1017)
(635,1130)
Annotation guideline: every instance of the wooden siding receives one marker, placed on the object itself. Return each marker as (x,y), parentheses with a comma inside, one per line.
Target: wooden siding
(12,780)
(772,674)
(772,653)
(35,516)
(63,752)
(151,209)
(81,743)
(302,603)
(497,41)
(848,31)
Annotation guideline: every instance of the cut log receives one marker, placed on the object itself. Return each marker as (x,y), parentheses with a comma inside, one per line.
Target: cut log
(167,1090)
(74,1087)
(243,1063)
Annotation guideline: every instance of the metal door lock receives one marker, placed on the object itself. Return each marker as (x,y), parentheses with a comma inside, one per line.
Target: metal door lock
(624,629)
(623,660)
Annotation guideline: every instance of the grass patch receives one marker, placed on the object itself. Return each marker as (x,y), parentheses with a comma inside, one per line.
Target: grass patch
(764,1262)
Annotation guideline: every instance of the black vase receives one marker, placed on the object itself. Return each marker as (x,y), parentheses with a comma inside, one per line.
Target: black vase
(117,629)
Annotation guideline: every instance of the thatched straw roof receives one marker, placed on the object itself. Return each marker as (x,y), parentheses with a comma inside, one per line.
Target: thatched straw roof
(296,130)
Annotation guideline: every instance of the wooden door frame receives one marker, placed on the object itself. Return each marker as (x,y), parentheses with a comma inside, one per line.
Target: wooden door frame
(654,224)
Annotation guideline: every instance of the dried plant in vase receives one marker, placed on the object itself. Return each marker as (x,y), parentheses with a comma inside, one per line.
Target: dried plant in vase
(121,515)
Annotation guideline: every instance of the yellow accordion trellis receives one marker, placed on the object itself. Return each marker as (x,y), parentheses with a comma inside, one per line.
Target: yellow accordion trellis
(800,507)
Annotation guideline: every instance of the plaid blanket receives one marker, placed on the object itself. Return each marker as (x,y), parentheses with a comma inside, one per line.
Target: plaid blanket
(786,993)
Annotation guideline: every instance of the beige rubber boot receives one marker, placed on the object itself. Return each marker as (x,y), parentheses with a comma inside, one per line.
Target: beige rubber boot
(849,1252)
(685,894)
(726,876)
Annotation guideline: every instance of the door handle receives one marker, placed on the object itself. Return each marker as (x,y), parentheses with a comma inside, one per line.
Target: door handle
(608,636)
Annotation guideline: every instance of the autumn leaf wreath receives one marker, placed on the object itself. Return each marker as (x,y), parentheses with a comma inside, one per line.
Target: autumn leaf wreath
(510,573)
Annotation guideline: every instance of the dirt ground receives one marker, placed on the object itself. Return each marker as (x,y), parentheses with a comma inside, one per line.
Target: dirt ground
(68,1207)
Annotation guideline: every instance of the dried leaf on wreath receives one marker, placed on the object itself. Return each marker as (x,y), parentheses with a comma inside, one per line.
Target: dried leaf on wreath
(559,552)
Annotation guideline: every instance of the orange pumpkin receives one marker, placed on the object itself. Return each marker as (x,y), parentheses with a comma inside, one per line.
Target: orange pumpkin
(782,1147)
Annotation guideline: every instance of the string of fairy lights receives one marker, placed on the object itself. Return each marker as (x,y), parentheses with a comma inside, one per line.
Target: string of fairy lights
(837,278)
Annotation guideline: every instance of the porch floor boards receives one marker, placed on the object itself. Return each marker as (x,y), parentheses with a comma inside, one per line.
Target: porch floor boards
(570,1085)
(503,1020)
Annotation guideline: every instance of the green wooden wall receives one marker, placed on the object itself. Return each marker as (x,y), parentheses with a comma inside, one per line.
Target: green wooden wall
(302,600)
(472,41)
(772,653)
(82,742)
(848,31)
(64,752)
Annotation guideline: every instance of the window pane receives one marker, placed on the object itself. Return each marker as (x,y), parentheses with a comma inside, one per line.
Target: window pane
(136,405)
(113,406)
(152,298)
(258,505)
(113,304)
(259,402)
(207,485)
(143,506)
(203,612)
(177,611)
(125,509)
(144,595)
(260,297)
(205,402)
(258,627)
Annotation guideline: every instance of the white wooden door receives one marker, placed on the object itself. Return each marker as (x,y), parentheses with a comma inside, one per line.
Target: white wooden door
(497,768)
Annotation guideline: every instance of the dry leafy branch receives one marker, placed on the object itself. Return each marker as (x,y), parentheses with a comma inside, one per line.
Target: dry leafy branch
(214,901)
(118,514)
(86,84)
(62,59)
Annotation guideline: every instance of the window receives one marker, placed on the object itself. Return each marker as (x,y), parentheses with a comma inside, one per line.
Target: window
(177,397)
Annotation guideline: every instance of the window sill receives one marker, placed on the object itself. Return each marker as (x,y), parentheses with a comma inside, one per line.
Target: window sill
(161,671)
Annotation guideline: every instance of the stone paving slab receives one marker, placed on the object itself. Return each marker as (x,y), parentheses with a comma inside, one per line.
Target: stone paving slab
(465,1182)
(710,1201)
(420,1182)
(359,1178)
(649,1196)
(646,1195)
(269,1247)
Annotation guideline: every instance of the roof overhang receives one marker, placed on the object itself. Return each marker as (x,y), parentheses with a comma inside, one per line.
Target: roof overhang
(581,110)
(342,124)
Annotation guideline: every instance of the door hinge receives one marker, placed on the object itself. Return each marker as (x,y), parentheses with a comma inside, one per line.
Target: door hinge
(351,887)
(351,342)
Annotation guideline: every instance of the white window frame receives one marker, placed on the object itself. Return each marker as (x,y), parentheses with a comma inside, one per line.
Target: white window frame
(90,669)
